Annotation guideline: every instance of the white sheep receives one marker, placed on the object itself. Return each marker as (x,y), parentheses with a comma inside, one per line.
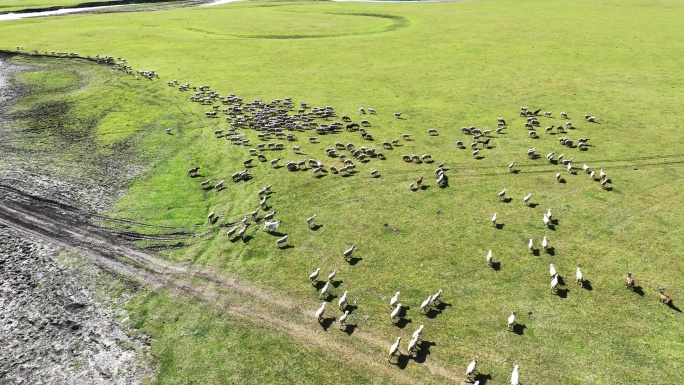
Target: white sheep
(585,168)
(395,313)
(242,232)
(548,213)
(231,232)
(514,375)
(271,226)
(554,284)
(546,220)
(602,174)
(511,321)
(425,305)
(413,345)
(394,300)
(394,350)
(342,301)
(342,321)
(591,175)
(472,366)
(558,177)
(314,276)
(324,290)
(347,253)
(510,166)
(570,168)
(320,311)
(374,174)
(490,258)
(526,200)
(579,277)
(552,270)
(418,333)
(255,213)
(436,297)
(310,220)
(476,153)
(502,195)
(281,241)
(210,217)
(545,244)
(494,220)
(530,246)
(332,275)
(269,216)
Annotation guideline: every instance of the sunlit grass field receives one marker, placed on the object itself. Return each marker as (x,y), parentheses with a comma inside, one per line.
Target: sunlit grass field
(444,66)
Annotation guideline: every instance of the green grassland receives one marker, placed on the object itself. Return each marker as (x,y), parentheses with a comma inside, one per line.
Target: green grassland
(444,66)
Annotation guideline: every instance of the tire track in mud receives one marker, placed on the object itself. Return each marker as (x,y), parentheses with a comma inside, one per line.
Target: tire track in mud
(69,227)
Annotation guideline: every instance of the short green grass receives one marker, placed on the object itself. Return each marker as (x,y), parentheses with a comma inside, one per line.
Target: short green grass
(444,66)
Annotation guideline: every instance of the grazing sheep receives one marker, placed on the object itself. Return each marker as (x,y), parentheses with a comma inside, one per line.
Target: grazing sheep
(193,171)
(412,346)
(320,311)
(591,175)
(255,212)
(271,226)
(563,115)
(630,281)
(602,174)
(331,276)
(460,144)
(585,168)
(490,258)
(269,216)
(502,195)
(511,321)
(603,183)
(347,253)
(436,298)
(313,277)
(343,301)
(530,246)
(432,132)
(552,270)
(394,350)
(569,168)
(394,300)
(470,370)
(205,183)
(231,232)
(296,149)
(425,305)
(313,139)
(243,230)
(510,166)
(426,158)
(210,217)
(274,162)
(281,241)
(526,199)
(554,284)
(547,114)
(316,172)
(473,145)
(546,220)
(545,244)
(514,376)
(397,115)
(558,177)
(406,137)
(324,290)
(532,134)
(499,130)
(494,220)
(412,186)
(361,110)
(666,299)
(418,333)
(579,277)
(395,313)
(531,151)
(310,220)
(342,321)
(374,174)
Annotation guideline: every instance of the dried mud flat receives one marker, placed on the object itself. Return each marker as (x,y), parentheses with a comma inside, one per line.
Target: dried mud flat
(56,324)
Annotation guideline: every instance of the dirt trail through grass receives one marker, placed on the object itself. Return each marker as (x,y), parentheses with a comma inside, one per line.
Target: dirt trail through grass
(69,227)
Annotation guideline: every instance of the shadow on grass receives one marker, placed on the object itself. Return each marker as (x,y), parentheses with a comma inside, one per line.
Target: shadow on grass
(402,322)
(316,227)
(319,285)
(499,226)
(550,251)
(424,187)
(351,308)
(496,266)
(536,253)
(482,378)
(673,307)
(349,329)
(519,329)
(561,181)
(551,227)
(639,290)
(354,261)
(337,283)
(515,172)
(442,306)
(432,313)
(423,351)
(507,200)
(587,285)
(562,293)
(532,205)
(276,234)
(286,247)
(329,297)
(402,361)
(326,323)
(479,157)
(247,238)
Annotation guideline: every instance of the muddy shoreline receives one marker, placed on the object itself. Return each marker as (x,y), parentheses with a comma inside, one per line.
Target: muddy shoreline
(57,324)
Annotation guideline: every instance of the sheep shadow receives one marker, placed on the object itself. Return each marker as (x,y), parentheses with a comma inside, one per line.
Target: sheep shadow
(536,253)
(551,227)
(432,313)
(247,238)
(326,323)
(507,200)
(532,205)
(639,290)
(402,361)
(573,173)
(349,329)
(319,285)
(479,157)
(586,284)
(561,181)
(482,378)
(673,307)
(354,261)
(423,351)
(198,175)
(337,284)
(351,308)
(286,247)
(403,322)
(496,266)
(234,239)
(519,329)
(319,176)
(562,293)
(442,306)
(220,188)
(443,185)
(535,156)
(316,227)
(516,172)
(424,187)
(608,188)
(499,226)
(329,297)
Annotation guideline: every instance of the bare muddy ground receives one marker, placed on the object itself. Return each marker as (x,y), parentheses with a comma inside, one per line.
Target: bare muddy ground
(56,324)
